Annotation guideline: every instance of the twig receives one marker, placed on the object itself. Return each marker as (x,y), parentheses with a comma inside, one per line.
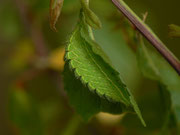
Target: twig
(148,34)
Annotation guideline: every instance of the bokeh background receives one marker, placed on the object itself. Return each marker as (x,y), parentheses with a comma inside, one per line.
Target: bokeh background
(32,98)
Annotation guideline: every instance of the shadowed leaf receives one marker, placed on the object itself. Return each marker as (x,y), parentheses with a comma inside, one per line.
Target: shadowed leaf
(155,67)
(86,102)
(92,67)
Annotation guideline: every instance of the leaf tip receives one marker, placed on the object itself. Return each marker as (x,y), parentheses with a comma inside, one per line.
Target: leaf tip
(53,27)
(55,11)
(136,109)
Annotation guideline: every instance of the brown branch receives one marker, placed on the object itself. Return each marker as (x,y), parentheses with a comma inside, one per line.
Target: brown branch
(148,34)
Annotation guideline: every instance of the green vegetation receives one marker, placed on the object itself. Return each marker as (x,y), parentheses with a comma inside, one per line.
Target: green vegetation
(80,67)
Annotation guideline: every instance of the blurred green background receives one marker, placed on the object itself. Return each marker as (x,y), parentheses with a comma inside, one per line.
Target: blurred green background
(32,99)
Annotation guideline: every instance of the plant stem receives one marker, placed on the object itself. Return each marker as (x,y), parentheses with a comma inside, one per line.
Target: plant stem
(148,34)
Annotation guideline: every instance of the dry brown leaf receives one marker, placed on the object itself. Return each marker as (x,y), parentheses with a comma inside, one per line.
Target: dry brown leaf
(55,11)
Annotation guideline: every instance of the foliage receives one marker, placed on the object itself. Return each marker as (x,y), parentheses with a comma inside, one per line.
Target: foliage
(85,57)
(90,72)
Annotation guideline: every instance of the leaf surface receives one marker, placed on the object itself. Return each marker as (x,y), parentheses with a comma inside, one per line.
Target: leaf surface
(85,102)
(92,67)
(153,66)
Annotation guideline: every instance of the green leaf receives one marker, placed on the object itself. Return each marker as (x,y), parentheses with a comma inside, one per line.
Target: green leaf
(55,10)
(84,101)
(174,30)
(90,16)
(169,123)
(146,63)
(92,68)
(156,104)
(155,67)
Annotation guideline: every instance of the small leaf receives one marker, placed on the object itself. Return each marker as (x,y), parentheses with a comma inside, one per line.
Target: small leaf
(92,68)
(90,16)
(174,30)
(170,123)
(55,10)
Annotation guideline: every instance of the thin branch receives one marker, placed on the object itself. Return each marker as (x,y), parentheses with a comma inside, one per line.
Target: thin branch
(148,34)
